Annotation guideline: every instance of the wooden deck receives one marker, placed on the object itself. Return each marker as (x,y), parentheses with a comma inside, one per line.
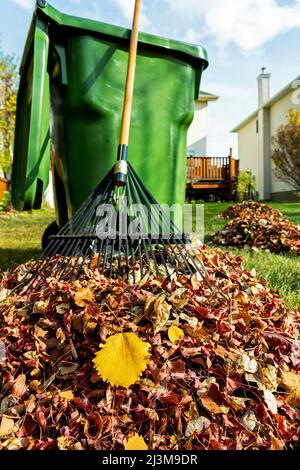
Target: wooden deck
(212,174)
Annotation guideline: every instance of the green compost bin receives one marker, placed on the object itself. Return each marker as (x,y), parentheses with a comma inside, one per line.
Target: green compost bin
(70,103)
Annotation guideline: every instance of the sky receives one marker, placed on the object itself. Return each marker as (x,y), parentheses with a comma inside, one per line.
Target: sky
(240,36)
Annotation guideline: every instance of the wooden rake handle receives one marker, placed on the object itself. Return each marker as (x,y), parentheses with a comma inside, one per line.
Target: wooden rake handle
(121,164)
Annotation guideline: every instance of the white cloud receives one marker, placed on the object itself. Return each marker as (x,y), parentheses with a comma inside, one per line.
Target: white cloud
(249,24)
(26,4)
(127,7)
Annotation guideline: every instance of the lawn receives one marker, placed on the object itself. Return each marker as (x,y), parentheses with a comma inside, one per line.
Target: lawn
(21,234)
(20,240)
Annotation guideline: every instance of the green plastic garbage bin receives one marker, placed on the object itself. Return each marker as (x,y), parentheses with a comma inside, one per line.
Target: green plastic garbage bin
(71,94)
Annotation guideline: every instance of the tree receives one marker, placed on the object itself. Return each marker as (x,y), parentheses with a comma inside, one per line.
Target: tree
(286,151)
(8,101)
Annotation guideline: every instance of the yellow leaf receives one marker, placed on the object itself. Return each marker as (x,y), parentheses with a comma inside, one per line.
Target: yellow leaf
(6,426)
(136,443)
(84,296)
(291,382)
(175,334)
(161,313)
(67,395)
(122,359)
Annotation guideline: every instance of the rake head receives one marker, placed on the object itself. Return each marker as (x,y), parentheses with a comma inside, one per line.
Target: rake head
(121,232)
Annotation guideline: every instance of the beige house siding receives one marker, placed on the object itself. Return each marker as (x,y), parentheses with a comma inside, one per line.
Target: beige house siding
(255,142)
(248,149)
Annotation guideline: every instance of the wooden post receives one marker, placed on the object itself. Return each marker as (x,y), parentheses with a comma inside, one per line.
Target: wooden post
(231,173)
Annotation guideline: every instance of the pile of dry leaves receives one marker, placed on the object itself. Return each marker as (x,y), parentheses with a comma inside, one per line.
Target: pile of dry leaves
(258,226)
(210,369)
(249,207)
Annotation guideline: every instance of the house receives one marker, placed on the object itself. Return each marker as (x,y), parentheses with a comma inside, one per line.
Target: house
(197,133)
(255,134)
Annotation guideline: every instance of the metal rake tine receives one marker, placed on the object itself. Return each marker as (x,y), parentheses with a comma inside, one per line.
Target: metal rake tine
(68,258)
(153,257)
(36,274)
(127,259)
(111,258)
(85,250)
(168,254)
(73,270)
(99,253)
(132,260)
(163,259)
(69,245)
(105,255)
(181,253)
(198,270)
(141,259)
(178,260)
(119,256)
(146,253)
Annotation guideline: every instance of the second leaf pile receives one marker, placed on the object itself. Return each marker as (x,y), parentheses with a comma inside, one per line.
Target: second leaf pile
(257,225)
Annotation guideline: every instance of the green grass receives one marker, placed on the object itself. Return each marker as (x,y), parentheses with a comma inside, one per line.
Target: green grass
(282,272)
(21,233)
(20,236)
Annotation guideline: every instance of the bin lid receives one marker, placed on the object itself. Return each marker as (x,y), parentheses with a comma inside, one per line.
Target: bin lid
(192,52)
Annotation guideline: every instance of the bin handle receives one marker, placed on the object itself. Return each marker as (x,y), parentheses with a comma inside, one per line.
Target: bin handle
(120,170)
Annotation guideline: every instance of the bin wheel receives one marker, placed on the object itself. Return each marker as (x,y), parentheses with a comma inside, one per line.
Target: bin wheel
(52,229)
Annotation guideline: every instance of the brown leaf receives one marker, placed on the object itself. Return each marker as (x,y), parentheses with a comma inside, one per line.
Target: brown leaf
(89,324)
(179,298)
(149,304)
(60,336)
(19,386)
(6,426)
(161,313)
(291,382)
(213,401)
(95,422)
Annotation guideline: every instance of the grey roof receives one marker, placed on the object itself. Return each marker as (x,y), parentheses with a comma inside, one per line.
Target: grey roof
(284,91)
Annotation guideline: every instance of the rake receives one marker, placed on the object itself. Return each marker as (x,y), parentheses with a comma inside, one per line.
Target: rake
(120,229)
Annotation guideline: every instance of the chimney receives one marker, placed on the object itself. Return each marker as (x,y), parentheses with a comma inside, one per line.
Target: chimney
(263,87)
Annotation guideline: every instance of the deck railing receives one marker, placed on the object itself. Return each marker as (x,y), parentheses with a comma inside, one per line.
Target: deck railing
(214,172)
